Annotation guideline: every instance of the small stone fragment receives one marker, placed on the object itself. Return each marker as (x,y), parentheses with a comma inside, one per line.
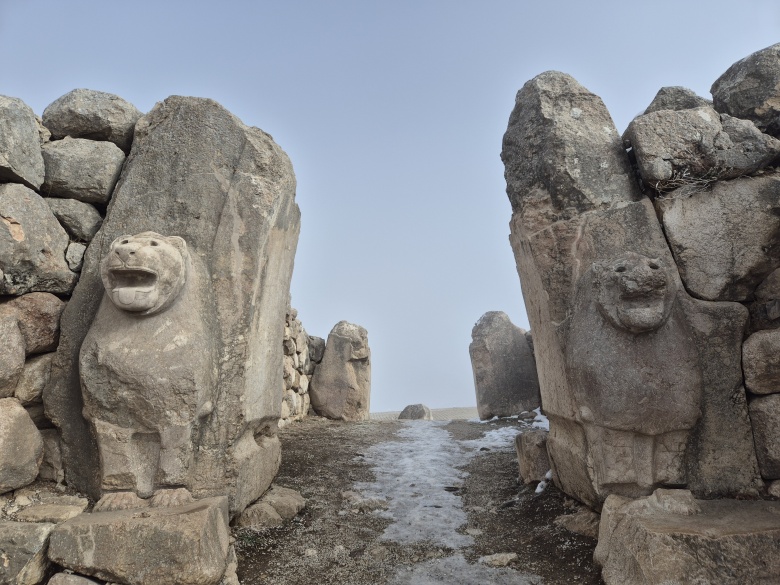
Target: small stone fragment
(584,521)
(75,255)
(81,220)
(259,515)
(70,579)
(498,559)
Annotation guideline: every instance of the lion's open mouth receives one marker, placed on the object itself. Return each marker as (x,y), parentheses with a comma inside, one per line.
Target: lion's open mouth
(127,282)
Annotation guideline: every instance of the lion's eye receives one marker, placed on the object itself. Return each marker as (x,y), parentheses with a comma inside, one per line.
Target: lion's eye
(620,269)
(653,265)
(125,242)
(154,243)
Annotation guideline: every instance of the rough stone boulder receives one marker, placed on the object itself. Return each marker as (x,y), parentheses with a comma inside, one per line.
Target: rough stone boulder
(277,505)
(675,148)
(11,354)
(341,387)
(532,456)
(21,446)
(723,239)
(23,558)
(765,416)
(85,113)
(416,412)
(20,149)
(38,315)
(32,245)
(504,368)
(676,98)
(34,377)
(207,204)
(671,538)
(81,220)
(749,89)
(759,362)
(316,348)
(149,546)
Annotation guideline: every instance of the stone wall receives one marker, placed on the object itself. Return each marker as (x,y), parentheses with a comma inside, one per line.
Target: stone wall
(302,354)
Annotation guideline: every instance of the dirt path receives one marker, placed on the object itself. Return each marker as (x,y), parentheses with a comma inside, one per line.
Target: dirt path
(412,503)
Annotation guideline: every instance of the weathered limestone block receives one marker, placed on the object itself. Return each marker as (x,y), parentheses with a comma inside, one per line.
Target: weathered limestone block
(504,367)
(765,416)
(81,169)
(723,239)
(21,446)
(760,362)
(74,255)
(273,509)
(674,148)
(34,377)
(38,315)
(316,348)
(416,412)
(584,521)
(532,457)
(85,113)
(52,512)
(23,558)
(152,546)
(197,177)
(676,98)
(81,220)
(51,466)
(676,540)
(32,245)
(341,388)
(749,89)
(70,579)
(11,354)
(259,515)
(20,149)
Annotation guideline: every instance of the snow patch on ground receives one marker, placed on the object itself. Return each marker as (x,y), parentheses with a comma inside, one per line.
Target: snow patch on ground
(500,439)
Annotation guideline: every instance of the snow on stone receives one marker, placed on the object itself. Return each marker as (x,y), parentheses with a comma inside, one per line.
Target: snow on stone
(541,421)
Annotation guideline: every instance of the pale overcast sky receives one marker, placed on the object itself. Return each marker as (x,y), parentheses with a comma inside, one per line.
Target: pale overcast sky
(392,114)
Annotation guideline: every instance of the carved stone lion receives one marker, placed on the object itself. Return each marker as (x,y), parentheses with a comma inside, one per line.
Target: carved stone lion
(146,371)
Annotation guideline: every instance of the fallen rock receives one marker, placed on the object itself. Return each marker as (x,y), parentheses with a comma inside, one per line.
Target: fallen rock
(532,456)
(504,368)
(38,315)
(728,542)
(20,148)
(676,98)
(287,502)
(749,89)
(81,220)
(584,521)
(498,559)
(35,376)
(51,512)
(416,412)
(85,113)
(258,516)
(151,546)
(32,245)
(765,417)
(316,348)
(21,446)
(23,558)
(341,387)
(722,239)
(11,354)
(81,169)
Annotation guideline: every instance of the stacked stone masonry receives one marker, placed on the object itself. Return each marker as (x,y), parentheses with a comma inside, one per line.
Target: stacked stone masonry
(650,269)
(302,354)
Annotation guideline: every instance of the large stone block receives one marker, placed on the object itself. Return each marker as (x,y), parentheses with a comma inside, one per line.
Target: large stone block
(341,387)
(21,446)
(749,89)
(23,558)
(35,376)
(20,149)
(149,546)
(81,220)
(671,538)
(723,239)
(11,354)
(218,199)
(85,113)
(504,368)
(759,362)
(81,169)
(32,245)
(765,416)
(38,315)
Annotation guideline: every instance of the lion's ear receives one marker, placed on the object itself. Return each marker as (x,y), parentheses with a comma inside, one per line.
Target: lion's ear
(177,243)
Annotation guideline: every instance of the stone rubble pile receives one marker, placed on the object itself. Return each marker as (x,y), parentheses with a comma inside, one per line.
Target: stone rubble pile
(650,273)
(136,326)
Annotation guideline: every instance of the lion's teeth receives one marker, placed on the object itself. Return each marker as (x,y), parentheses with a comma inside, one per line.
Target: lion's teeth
(126,295)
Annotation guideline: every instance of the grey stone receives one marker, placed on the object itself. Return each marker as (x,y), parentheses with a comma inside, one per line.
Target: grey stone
(416,412)
(584,521)
(728,542)
(678,148)
(287,502)
(759,362)
(37,414)
(38,315)
(81,220)
(11,354)
(765,416)
(531,447)
(20,148)
(259,515)
(765,309)
(75,256)
(23,558)
(676,98)
(35,376)
(316,348)
(234,219)
(21,446)
(51,466)
(156,546)
(51,512)
(723,239)
(32,245)
(85,113)
(504,368)
(81,169)
(70,579)
(749,89)
(341,387)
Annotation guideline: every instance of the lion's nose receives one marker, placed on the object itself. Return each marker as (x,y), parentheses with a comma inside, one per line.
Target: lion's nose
(124,251)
